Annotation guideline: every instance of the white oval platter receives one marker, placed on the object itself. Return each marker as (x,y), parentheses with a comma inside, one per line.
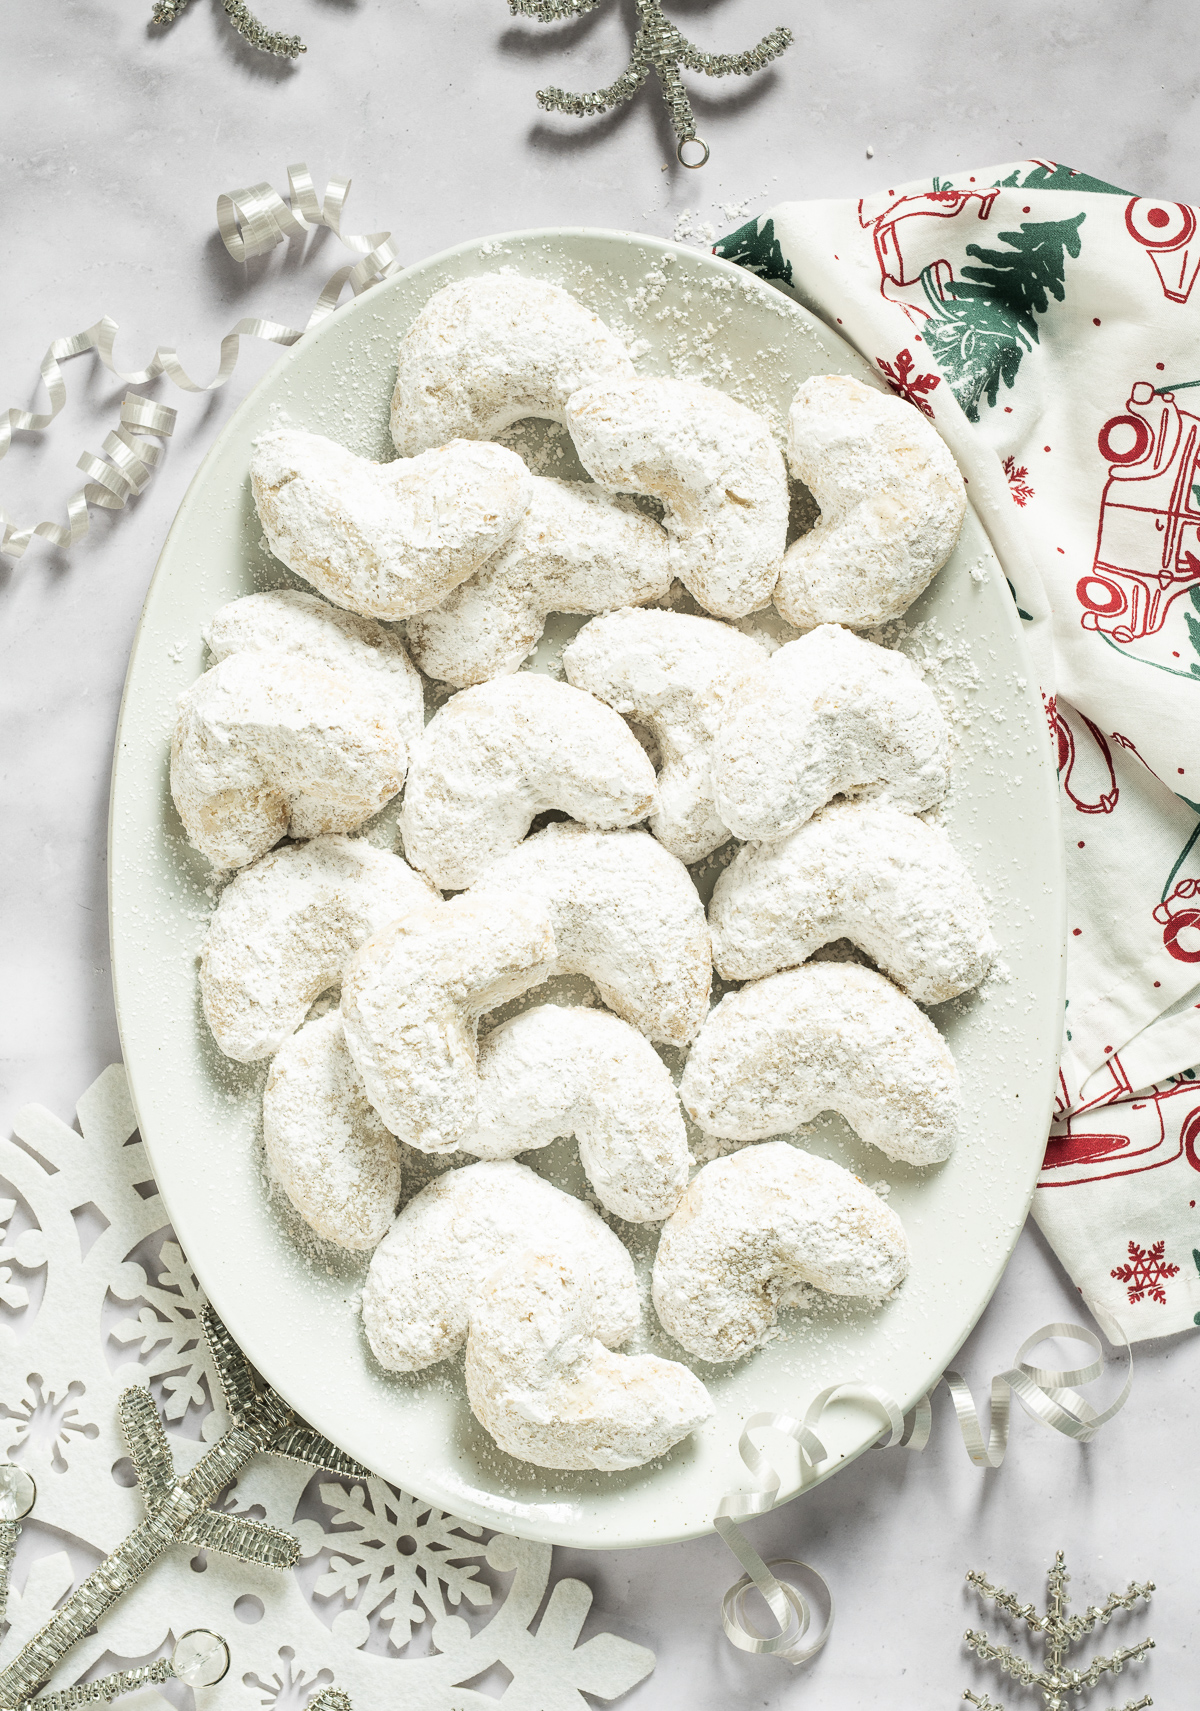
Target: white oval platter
(293,1309)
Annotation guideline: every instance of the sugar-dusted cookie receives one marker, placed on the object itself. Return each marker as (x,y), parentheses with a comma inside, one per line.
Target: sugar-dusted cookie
(677,675)
(285,928)
(411,1001)
(287,621)
(831,1036)
(550,1392)
(558,1070)
(429,1271)
(892,503)
(577,549)
(484,352)
(625,914)
(716,469)
(326,1147)
(385,539)
(754,1228)
(494,756)
(832,714)
(863,871)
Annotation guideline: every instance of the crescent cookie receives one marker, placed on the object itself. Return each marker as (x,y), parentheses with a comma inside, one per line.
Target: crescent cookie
(286,621)
(678,676)
(861,871)
(285,928)
(496,755)
(714,466)
(485,352)
(412,997)
(831,1036)
(578,549)
(625,914)
(429,1271)
(831,714)
(326,1147)
(385,539)
(554,1071)
(892,503)
(754,1227)
(268,744)
(548,1390)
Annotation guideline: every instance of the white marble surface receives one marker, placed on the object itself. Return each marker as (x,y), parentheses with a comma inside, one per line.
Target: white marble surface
(118,137)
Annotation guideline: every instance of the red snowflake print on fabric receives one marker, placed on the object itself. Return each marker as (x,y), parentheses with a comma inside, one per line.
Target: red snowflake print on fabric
(1018,484)
(1145,1273)
(903,378)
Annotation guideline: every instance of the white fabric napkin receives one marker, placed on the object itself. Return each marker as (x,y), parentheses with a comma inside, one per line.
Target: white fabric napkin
(1048,324)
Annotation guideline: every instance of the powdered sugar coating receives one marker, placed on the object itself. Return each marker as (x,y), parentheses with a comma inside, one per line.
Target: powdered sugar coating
(555,1071)
(548,1390)
(326,1147)
(385,539)
(411,1002)
(626,915)
(578,549)
(678,676)
(427,1274)
(831,1036)
(496,755)
(862,871)
(485,352)
(755,1226)
(714,466)
(831,714)
(892,503)
(268,744)
(285,928)
(286,621)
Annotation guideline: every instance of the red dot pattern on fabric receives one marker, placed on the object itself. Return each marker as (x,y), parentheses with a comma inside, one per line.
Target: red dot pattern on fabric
(1158,983)
(1159,366)
(1109,1048)
(1095,320)
(1081,843)
(1158,217)
(1045,448)
(1076,931)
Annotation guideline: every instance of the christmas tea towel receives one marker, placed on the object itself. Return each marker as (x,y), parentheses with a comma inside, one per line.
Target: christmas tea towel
(1049,324)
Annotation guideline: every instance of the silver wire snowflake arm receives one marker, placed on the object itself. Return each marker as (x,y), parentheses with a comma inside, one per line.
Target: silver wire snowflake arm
(296,1440)
(250,28)
(658,46)
(178,1510)
(1061,1632)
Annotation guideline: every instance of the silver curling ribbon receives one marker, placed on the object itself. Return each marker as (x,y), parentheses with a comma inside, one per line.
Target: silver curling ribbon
(251,222)
(797,1596)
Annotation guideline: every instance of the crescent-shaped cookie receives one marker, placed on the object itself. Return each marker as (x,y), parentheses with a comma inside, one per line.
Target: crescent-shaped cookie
(429,1271)
(832,714)
(862,871)
(755,1227)
(831,1036)
(495,756)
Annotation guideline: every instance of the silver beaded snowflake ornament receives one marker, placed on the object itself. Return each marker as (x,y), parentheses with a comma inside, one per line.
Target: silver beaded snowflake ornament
(659,47)
(179,1508)
(1056,1680)
(250,28)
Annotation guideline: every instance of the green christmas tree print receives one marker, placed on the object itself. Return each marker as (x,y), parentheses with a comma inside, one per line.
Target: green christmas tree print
(1058,177)
(757,250)
(981,329)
